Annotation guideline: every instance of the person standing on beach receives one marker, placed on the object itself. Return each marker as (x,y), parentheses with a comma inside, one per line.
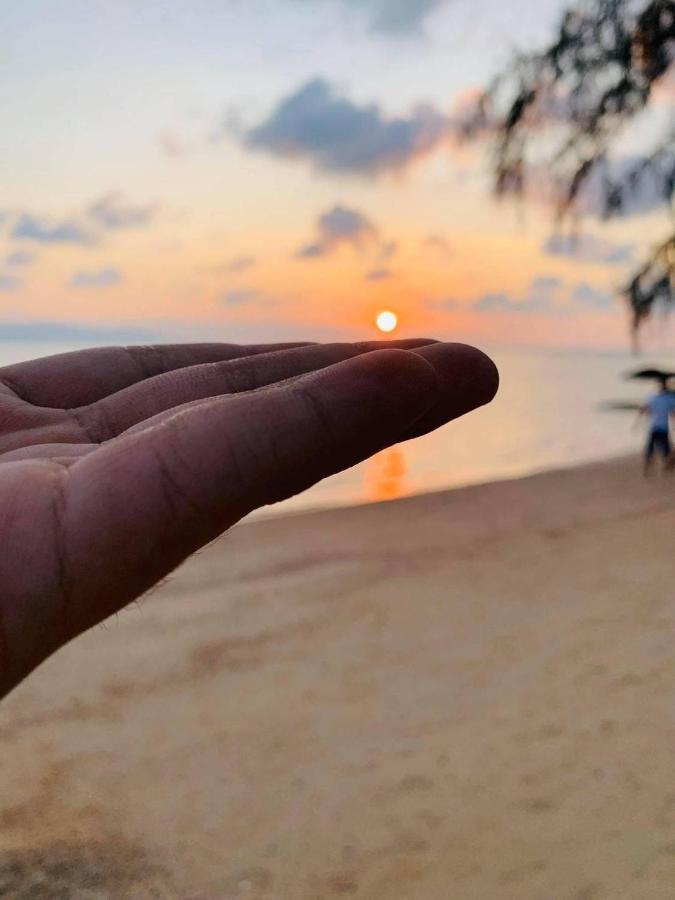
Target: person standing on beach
(660,408)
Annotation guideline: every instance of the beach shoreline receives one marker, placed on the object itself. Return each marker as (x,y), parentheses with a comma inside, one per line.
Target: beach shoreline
(466,693)
(521,473)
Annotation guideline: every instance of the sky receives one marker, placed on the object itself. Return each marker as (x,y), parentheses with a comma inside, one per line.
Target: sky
(254,170)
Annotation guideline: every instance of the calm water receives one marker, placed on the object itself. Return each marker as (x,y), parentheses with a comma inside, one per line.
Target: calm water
(547,414)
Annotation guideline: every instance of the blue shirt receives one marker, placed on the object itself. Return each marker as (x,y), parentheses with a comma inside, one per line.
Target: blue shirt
(660,407)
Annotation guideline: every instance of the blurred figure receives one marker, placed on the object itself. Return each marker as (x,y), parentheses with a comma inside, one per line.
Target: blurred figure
(660,407)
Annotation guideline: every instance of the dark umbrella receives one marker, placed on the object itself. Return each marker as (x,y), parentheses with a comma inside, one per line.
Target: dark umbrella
(651,374)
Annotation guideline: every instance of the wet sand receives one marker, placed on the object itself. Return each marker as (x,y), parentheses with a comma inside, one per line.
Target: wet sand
(462,696)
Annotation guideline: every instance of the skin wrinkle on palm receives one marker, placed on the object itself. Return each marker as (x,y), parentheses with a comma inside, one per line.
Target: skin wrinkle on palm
(187,441)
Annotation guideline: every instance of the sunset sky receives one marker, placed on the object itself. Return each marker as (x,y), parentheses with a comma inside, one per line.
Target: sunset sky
(272,169)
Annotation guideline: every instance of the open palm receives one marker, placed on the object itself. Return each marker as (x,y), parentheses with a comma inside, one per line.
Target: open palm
(116,464)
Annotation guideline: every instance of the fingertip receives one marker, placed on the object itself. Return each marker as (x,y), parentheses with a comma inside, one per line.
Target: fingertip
(484,369)
(467,379)
(403,376)
(462,368)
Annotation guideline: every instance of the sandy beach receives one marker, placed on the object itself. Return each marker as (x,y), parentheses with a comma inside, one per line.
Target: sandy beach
(464,695)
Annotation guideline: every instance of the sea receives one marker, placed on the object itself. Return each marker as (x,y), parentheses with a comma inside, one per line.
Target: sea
(553,410)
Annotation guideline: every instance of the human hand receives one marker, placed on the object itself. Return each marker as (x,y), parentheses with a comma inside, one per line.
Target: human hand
(117,464)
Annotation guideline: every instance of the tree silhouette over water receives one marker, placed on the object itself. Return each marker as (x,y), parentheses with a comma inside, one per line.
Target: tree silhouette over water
(565,116)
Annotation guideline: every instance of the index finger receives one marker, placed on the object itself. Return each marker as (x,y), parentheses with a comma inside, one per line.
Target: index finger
(85,376)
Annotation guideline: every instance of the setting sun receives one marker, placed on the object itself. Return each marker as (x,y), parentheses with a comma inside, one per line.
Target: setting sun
(386,321)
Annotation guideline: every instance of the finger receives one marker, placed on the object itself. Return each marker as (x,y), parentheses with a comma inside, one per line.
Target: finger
(140,505)
(467,379)
(84,376)
(147,399)
(48,451)
(466,376)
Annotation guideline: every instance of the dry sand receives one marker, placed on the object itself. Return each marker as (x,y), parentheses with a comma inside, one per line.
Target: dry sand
(462,696)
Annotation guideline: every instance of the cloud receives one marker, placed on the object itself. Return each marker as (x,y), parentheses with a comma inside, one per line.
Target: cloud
(439,243)
(399,16)
(111,213)
(395,17)
(96,278)
(379,275)
(587,248)
(72,331)
(543,296)
(32,228)
(241,297)
(586,295)
(447,304)
(545,284)
(13,262)
(388,250)
(107,213)
(172,144)
(336,135)
(9,284)
(241,264)
(19,259)
(546,296)
(338,227)
(502,302)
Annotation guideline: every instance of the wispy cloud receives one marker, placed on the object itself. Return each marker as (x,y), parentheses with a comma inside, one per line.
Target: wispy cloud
(13,264)
(388,250)
(445,304)
(438,243)
(586,295)
(172,144)
(398,16)
(19,259)
(112,212)
(240,297)
(336,135)
(9,284)
(379,275)
(241,264)
(401,18)
(96,278)
(42,231)
(338,227)
(543,296)
(548,296)
(588,248)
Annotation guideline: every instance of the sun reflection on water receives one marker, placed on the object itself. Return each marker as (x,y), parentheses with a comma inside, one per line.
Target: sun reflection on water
(386,476)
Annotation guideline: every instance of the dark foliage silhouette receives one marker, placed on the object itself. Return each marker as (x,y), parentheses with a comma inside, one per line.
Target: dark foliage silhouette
(562,118)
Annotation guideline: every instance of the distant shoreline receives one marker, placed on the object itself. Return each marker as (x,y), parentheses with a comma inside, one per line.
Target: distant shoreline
(281,511)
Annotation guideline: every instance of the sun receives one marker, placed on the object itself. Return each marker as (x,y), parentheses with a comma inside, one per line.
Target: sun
(386,321)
